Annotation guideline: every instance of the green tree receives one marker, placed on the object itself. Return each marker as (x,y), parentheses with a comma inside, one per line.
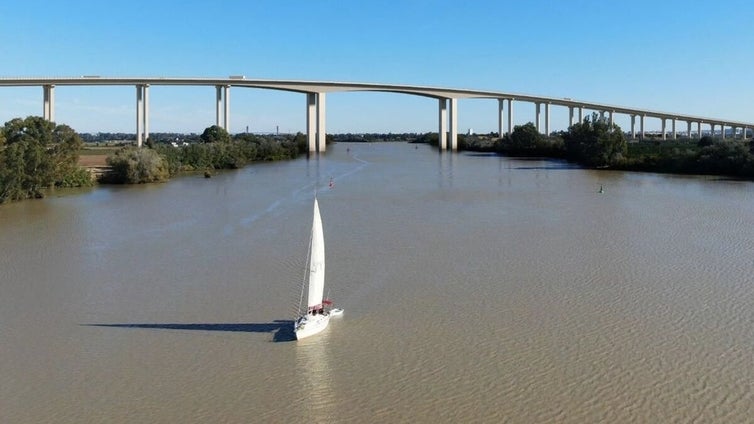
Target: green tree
(300,143)
(524,138)
(36,154)
(595,142)
(726,157)
(215,134)
(705,141)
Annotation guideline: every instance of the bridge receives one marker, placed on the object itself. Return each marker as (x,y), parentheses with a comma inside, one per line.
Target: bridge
(316,92)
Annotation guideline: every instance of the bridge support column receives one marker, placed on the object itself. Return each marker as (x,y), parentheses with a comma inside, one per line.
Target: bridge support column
(142,114)
(570,115)
(688,129)
(316,117)
(311,121)
(139,114)
(145,111)
(538,116)
(442,131)
(510,116)
(699,130)
(48,106)
(746,130)
(675,134)
(722,130)
(500,117)
(581,114)
(641,125)
(321,122)
(547,119)
(633,126)
(226,109)
(218,105)
(663,120)
(453,124)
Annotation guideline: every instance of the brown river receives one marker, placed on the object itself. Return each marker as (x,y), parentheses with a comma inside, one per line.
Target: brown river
(476,289)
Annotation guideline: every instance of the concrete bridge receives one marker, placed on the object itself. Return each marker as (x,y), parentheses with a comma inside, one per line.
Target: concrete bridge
(316,92)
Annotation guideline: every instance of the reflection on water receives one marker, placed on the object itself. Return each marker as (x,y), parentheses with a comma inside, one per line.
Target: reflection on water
(478,289)
(314,383)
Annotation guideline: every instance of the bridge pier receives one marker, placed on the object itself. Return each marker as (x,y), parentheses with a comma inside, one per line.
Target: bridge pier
(641,125)
(688,129)
(537,116)
(633,126)
(142,113)
(139,108)
(453,124)
(222,107)
(663,120)
(442,130)
(321,119)
(510,116)
(500,117)
(48,106)
(226,104)
(145,87)
(547,119)
(316,134)
(675,135)
(311,113)
(447,124)
(218,105)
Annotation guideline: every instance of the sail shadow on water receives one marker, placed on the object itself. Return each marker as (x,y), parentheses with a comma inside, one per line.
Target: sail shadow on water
(282,330)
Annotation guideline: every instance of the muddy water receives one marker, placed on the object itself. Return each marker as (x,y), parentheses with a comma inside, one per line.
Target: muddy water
(476,289)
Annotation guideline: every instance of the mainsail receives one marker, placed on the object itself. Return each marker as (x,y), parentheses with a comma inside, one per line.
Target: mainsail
(316,262)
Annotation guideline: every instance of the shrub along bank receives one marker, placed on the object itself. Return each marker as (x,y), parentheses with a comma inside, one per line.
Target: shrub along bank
(217,150)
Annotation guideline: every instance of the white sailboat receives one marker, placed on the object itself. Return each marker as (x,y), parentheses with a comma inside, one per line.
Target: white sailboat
(318,310)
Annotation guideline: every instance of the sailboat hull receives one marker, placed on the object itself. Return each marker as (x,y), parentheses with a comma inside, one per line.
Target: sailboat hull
(310,325)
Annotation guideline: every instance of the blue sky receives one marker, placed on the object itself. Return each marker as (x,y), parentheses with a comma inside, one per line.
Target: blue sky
(675,56)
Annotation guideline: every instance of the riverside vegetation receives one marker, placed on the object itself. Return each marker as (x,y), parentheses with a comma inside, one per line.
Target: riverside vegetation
(216,150)
(37,155)
(595,143)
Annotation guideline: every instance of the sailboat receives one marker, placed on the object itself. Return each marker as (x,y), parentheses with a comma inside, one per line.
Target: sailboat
(318,309)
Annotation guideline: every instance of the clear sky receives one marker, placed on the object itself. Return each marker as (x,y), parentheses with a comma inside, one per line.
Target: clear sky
(689,57)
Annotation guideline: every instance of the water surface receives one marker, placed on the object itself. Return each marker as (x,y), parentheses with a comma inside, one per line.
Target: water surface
(476,289)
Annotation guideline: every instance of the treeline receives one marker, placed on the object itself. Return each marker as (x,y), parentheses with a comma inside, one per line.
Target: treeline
(215,150)
(35,155)
(596,143)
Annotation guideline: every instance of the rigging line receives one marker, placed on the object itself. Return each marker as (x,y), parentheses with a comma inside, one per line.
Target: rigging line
(306,271)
